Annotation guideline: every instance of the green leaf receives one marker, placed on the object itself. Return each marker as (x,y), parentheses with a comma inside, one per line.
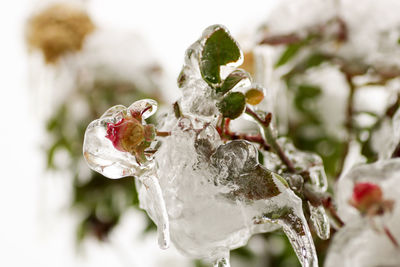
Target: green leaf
(309,91)
(304,94)
(290,51)
(219,49)
(232,105)
(232,80)
(315,60)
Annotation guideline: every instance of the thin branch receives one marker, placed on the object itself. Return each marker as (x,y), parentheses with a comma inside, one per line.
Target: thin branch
(391,237)
(264,123)
(324,199)
(225,133)
(163,134)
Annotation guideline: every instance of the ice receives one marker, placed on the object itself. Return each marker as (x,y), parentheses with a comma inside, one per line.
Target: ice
(303,161)
(218,195)
(357,244)
(320,221)
(198,98)
(311,165)
(369,231)
(102,156)
(150,193)
(99,151)
(383,173)
(209,196)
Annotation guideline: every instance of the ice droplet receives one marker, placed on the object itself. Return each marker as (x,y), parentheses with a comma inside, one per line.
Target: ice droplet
(320,221)
(218,195)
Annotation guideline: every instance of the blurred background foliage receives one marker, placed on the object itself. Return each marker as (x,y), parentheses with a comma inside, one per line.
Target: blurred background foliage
(100,202)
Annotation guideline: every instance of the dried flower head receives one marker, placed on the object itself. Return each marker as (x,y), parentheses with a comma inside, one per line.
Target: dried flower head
(57,30)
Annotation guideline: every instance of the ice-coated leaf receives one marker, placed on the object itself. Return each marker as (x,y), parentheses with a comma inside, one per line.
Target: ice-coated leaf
(232,80)
(238,166)
(232,105)
(219,49)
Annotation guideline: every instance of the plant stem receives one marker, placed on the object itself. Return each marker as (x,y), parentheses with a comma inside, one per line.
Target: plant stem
(163,134)
(270,139)
(327,203)
(391,237)
(225,133)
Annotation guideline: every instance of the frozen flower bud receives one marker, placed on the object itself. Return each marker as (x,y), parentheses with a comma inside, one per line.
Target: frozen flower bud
(126,134)
(365,196)
(116,145)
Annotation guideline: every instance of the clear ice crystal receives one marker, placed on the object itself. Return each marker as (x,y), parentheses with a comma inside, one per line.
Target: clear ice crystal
(218,195)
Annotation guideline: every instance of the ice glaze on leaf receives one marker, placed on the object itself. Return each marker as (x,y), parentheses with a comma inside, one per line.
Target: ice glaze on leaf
(232,105)
(219,49)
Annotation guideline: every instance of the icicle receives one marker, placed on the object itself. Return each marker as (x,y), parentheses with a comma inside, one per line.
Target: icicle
(290,217)
(320,221)
(156,204)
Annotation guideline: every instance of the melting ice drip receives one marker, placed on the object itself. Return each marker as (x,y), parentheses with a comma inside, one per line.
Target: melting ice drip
(209,196)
